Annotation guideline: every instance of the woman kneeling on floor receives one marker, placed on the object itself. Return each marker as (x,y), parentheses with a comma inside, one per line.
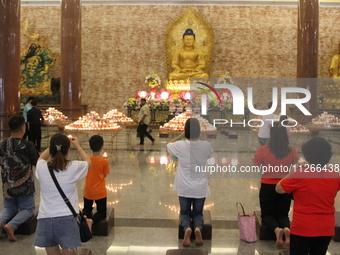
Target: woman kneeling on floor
(191,185)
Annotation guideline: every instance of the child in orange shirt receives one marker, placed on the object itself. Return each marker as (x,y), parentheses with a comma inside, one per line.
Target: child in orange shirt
(95,189)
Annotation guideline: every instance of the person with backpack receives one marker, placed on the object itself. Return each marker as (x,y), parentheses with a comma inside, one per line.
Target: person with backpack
(17,156)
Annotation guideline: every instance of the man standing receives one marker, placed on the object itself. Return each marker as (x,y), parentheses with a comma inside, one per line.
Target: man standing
(17,156)
(264,131)
(34,119)
(28,106)
(143,122)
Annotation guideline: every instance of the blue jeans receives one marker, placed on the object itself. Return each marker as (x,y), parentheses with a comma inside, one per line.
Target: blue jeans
(17,211)
(195,213)
(63,231)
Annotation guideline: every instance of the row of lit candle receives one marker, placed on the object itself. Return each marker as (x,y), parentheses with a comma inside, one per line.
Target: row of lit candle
(177,123)
(52,115)
(325,119)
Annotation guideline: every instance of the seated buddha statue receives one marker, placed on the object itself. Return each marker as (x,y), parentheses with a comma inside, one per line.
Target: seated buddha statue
(188,62)
(35,78)
(334,68)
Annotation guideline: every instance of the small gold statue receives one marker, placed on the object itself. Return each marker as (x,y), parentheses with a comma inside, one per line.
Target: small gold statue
(334,68)
(35,78)
(188,62)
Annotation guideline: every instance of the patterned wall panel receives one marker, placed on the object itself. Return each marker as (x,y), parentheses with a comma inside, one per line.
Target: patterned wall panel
(122,43)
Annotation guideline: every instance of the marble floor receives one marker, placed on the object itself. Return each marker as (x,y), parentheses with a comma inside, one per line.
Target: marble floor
(147,210)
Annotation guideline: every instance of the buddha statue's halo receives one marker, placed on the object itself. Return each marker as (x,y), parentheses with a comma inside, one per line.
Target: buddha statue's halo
(204,36)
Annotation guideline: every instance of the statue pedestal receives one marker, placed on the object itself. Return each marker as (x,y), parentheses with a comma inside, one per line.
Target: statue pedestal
(46,99)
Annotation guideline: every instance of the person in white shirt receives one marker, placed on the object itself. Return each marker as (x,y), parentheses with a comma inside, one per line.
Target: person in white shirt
(143,123)
(57,227)
(264,131)
(191,183)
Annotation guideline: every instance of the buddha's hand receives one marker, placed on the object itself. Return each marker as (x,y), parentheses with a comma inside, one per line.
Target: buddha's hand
(188,71)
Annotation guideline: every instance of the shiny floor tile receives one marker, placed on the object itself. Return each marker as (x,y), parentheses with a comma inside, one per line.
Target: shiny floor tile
(147,209)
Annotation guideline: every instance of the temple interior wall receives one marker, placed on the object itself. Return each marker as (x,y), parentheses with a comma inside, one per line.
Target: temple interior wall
(121,44)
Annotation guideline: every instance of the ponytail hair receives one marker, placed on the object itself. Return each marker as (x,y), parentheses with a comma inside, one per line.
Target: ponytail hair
(278,141)
(59,147)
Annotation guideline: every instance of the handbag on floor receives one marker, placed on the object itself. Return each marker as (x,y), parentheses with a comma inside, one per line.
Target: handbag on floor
(84,231)
(246,225)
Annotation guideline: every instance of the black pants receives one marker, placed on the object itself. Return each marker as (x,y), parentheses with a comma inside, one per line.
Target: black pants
(301,245)
(26,131)
(34,135)
(274,207)
(101,209)
(142,132)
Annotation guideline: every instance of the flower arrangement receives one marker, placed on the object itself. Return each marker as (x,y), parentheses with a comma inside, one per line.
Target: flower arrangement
(214,105)
(177,105)
(160,104)
(321,98)
(130,103)
(153,80)
(225,78)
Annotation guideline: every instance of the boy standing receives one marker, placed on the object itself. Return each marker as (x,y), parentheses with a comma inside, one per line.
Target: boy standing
(95,189)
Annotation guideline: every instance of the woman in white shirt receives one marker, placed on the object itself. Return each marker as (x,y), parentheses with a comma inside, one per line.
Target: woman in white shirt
(57,227)
(190,182)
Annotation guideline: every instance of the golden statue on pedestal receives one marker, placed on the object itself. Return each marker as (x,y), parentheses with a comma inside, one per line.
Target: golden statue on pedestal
(35,78)
(189,45)
(330,91)
(188,62)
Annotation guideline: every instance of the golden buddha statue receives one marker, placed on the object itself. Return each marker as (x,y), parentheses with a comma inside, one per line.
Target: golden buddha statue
(35,78)
(188,62)
(334,68)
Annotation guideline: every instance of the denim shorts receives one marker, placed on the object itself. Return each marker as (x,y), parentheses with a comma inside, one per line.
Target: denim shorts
(63,231)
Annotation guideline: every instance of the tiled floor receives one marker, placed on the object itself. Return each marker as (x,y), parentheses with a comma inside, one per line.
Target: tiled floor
(146,208)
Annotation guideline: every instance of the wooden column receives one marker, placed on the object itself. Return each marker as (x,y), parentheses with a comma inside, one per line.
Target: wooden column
(9,62)
(71,58)
(307,47)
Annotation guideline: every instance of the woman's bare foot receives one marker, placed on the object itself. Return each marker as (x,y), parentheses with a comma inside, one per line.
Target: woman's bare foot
(198,237)
(279,234)
(287,237)
(186,240)
(1,233)
(10,233)
(89,223)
